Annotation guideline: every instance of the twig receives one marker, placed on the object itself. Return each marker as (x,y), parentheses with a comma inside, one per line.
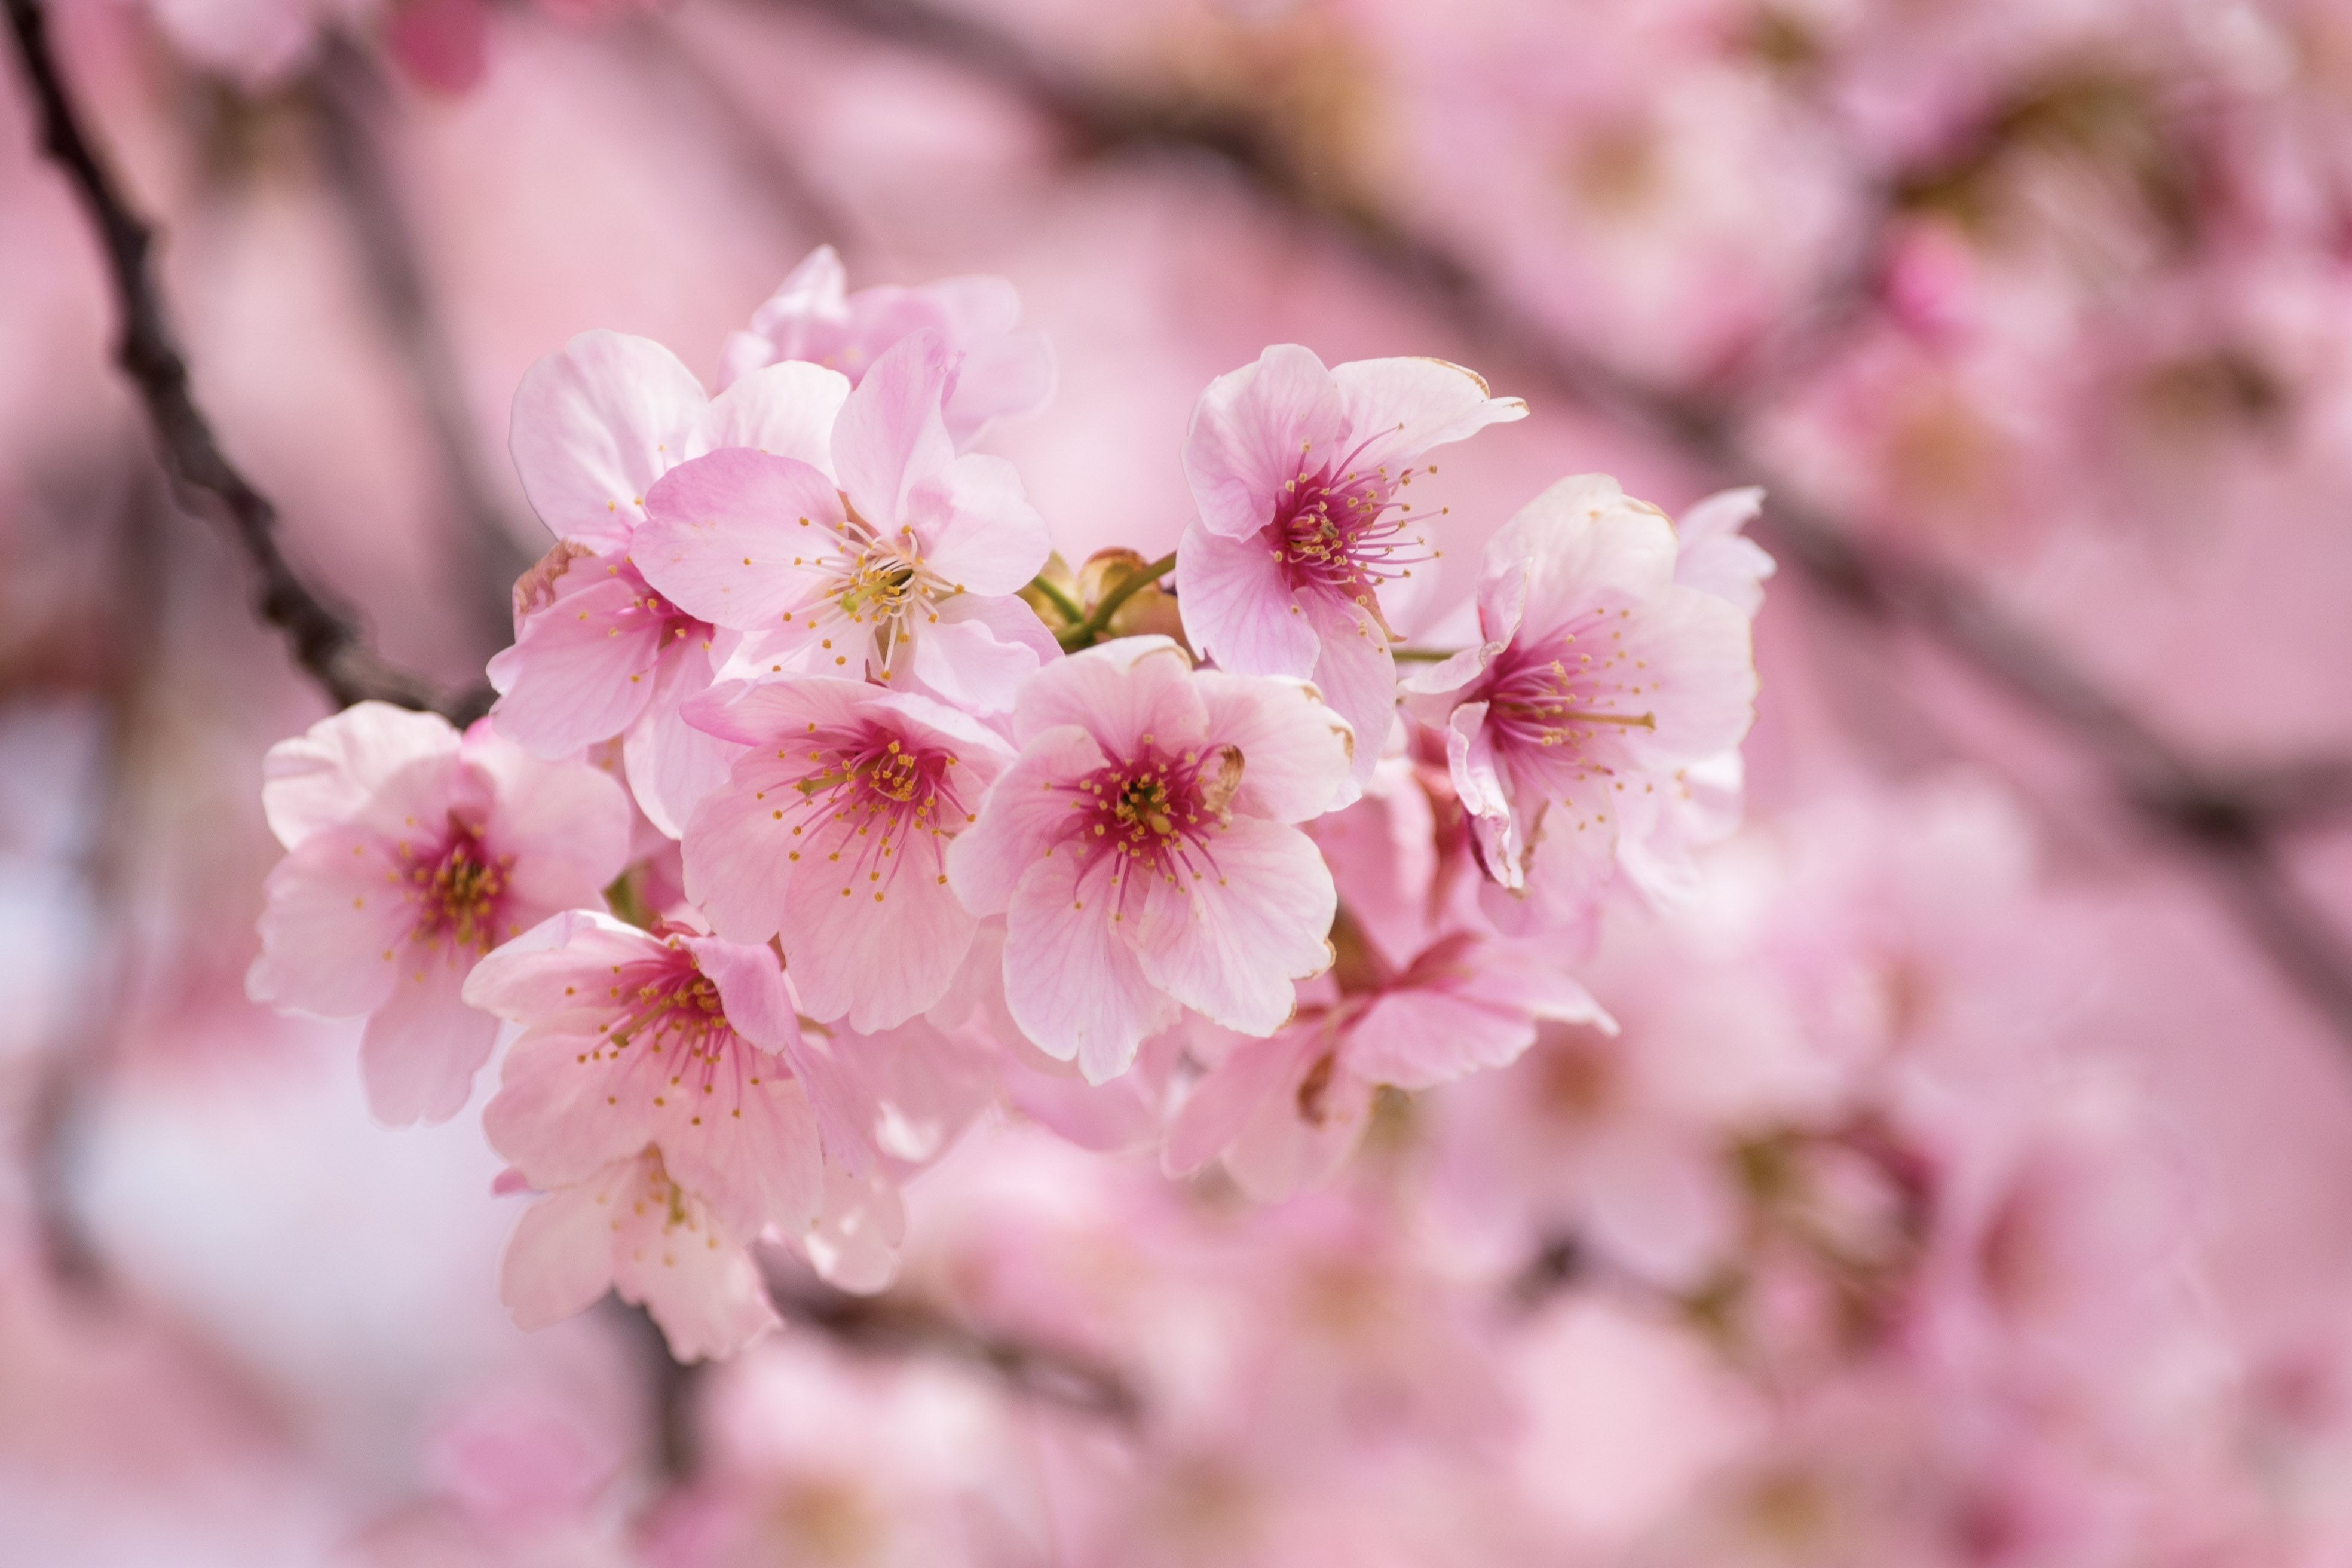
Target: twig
(324,643)
(885,1323)
(2232,824)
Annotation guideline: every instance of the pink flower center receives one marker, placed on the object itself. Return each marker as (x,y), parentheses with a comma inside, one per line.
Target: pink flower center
(885,790)
(460,895)
(1556,693)
(649,609)
(871,580)
(1155,811)
(671,1012)
(1343,531)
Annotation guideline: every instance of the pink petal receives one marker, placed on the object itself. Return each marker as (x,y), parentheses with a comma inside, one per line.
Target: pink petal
(565,824)
(671,763)
(816,289)
(1000,377)
(594,427)
(1700,679)
(1225,1099)
(965,663)
(559,1258)
(738,849)
(890,434)
(854,1245)
(1399,408)
(742,354)
(329,919)
(560,1120)
(1073,983)
(1417,1038)
(578,673)
(329,773)
(422,1048)
(1581,541)
(1250,431)
(547,971)
(1229,944)
(1023,815)
(878,960)
(732,537)
(751,989)
(1237,607)
(764,1167)
(1117,692)
(783,410)
(1356,676)
(1294,749)
(977,528)
(700,1285)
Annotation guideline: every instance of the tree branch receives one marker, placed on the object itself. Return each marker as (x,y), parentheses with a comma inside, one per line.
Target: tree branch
(325,643)
(887,1323)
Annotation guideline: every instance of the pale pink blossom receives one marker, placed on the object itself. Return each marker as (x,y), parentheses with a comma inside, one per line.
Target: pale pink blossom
(838,841)
(1302,476)
(688,1042)
(1286,1110)
(684,1050)
(1004,372)
(1143,852)
(412,851)
(631,1227)
(1598,683)
(597,652)
(905,571)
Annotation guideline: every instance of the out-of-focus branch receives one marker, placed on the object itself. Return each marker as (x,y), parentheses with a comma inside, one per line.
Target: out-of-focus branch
(887,1323)
(345,96)
(325,642)
(2231,823)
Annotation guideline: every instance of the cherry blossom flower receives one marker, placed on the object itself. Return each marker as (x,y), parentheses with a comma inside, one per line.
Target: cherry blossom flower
(909,569)
(633,1228)
(664,1063)
(412,852)
(1143,852)
(1005,371)
(1286,1110)
(839,841)
(1599,681)
(1301,475)
(597,652)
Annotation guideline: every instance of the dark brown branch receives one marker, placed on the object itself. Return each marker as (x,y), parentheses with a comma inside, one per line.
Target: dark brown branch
(325,643)
(892,1325)
(2231,823)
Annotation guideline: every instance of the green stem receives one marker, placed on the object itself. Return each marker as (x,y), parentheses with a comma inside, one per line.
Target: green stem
(1422,654)
(1071,611)
(1084,634)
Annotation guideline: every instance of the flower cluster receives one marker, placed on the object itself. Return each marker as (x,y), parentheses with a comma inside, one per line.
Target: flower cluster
(821,808)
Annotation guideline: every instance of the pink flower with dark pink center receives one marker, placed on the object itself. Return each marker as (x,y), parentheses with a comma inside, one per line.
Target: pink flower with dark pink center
(1302,476)
(597,652)
(1599,682)
(675,1048)
(907,571)
(811,316)
(832,832)
(1143,853)
(412,852)
(1286,1110)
